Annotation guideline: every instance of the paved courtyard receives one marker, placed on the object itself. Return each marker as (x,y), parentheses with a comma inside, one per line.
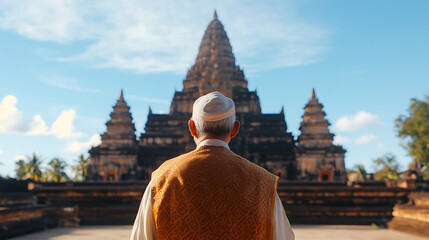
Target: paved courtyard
(302,232)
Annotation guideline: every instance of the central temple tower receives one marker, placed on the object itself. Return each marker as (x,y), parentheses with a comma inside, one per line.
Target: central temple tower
(215,70)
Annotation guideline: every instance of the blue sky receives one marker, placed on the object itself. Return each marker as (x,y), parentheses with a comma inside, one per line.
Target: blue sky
(63,63)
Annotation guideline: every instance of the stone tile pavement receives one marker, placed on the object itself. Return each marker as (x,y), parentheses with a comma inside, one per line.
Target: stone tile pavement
(349,232)
(302,232)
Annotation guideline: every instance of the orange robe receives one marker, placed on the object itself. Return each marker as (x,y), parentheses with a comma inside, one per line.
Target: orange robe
(212,193)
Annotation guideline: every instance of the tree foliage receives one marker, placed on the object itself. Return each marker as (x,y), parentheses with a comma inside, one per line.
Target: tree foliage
(414,129)
(80,169)
(21,169)
(56,171)
(387,167)
(29,168)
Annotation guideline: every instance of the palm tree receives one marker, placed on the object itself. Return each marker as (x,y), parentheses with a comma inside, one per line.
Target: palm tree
(80,168)
(21,169)
(33,167)
(56,171)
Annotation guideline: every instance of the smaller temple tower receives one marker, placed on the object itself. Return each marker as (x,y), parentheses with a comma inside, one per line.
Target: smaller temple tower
(116,157)
(317,157)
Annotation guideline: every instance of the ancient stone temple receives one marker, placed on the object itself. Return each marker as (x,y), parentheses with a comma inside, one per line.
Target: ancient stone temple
(263,138)
(317,157)
(116,157)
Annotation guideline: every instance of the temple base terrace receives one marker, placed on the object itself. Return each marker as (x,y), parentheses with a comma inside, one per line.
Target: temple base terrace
(52,205)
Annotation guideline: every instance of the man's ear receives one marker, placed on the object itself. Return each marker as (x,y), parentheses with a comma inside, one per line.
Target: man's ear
(235,129)
(192,128)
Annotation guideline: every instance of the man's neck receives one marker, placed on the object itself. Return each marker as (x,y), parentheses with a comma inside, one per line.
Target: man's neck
(209,136)
(213,142)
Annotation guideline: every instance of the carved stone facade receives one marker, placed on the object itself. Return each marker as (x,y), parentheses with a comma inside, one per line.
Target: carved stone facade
(318,158)
(115,158)
(263,138)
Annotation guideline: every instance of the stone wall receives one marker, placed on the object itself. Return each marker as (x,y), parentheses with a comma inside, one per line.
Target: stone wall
(335,203)
(99,203)
(19,211)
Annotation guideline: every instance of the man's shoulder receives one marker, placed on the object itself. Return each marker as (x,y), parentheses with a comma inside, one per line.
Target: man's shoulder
(226,157)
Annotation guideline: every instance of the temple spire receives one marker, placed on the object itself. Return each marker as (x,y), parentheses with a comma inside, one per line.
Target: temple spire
(121,100)
(120,126)
(215,70)
(314,123)
(215,46)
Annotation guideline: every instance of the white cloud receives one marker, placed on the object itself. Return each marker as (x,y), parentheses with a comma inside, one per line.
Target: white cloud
(66,83)
(12,121)
(364,139)
(153,36)
(78,147)
(341,140)
(38,126)
(46,20)
(359,121)
(1,151)
(63,127)
(20,157)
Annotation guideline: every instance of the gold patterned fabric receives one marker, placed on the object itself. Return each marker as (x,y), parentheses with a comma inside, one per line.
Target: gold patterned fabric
(212,193)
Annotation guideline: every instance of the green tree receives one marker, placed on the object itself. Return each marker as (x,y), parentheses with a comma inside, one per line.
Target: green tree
(80,169)
(32,167)
(21,169)
(56,170)
(414,129)
(387,167)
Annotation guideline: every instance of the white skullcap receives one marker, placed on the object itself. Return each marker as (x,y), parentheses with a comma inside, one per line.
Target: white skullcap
(213,107)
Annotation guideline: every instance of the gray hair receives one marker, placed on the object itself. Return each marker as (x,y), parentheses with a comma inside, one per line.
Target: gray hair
(218,128)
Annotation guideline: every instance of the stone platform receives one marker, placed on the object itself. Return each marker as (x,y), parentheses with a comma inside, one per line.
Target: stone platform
(302,232)
(305,203)
(412,216)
